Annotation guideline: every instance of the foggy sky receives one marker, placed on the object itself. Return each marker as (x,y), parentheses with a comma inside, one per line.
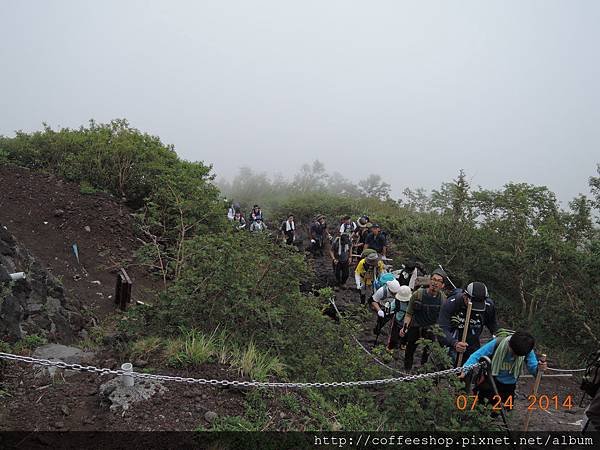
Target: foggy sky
(413,91)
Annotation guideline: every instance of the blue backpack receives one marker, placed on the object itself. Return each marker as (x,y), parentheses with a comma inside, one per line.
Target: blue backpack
(384,278)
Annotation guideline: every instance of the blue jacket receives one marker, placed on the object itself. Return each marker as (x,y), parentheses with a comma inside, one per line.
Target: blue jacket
(504,376)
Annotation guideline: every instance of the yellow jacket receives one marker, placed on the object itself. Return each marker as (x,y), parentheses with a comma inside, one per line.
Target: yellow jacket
(366,273)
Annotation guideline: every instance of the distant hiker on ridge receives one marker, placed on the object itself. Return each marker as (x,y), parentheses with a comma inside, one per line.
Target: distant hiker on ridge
(288,230)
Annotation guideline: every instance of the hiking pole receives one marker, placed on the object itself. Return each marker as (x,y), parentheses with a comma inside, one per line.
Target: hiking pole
(465,332)
(495,388)
(379,327)
(447,277)
(534,391)
(381,323)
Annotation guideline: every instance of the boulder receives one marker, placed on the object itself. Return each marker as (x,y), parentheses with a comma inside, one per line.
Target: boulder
(36,304)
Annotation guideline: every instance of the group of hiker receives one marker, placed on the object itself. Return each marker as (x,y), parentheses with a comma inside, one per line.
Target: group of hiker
(236,216)
(416,304)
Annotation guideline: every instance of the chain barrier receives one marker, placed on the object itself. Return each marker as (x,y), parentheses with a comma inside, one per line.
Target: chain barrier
(226,383)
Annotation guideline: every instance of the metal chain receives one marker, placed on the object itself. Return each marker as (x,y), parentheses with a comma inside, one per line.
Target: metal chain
(148,376)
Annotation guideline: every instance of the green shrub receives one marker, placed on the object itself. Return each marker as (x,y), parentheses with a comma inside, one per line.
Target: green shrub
(30,342)
(192,350)
(256,364)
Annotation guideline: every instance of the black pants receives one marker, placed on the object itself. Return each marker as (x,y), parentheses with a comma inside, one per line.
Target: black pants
(485,391)
(395,338)
(289,238)
(412,336)
(341,271)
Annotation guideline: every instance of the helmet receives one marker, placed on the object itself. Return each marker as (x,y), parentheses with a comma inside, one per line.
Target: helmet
(477,290)
(393,286)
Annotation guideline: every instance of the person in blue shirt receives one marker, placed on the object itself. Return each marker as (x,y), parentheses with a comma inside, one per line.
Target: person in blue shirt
(508,355)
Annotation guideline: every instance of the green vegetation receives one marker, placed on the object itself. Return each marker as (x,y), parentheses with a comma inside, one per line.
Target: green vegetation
(540,262)
(29,343)
(252,362)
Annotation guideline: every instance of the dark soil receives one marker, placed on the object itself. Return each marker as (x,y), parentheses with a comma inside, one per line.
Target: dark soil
(49,215)
(72,402)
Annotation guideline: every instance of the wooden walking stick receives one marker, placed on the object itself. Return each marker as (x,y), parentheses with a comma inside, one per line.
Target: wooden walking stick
(465,332)
(534,391)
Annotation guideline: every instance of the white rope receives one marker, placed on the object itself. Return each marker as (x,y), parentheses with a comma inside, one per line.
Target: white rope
(566,370)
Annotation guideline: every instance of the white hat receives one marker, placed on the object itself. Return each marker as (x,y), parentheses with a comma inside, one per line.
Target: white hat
(393,286)
(403,294)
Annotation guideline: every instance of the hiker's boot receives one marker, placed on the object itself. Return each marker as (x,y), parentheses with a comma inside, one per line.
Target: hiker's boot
(363,299)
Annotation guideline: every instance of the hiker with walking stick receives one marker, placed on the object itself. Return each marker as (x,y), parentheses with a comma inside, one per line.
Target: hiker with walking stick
(508,355)
(421,315)
(453,320)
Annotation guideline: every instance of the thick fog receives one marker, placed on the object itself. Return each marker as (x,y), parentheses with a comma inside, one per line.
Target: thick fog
(412,91)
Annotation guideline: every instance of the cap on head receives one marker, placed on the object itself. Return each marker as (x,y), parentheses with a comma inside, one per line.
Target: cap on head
(366,252)
(477,293)
(393,286)
(439,272)
(477,290)
(372,259)
(375,225)
(403,294)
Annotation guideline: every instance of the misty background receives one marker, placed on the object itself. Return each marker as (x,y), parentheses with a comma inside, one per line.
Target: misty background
(412,91)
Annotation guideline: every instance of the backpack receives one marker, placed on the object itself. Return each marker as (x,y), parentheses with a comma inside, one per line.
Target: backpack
(383,279)
(591,377)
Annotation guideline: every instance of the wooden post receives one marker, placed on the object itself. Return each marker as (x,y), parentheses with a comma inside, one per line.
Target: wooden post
(118,288)
(465,332)
(123,290)
(534,391)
